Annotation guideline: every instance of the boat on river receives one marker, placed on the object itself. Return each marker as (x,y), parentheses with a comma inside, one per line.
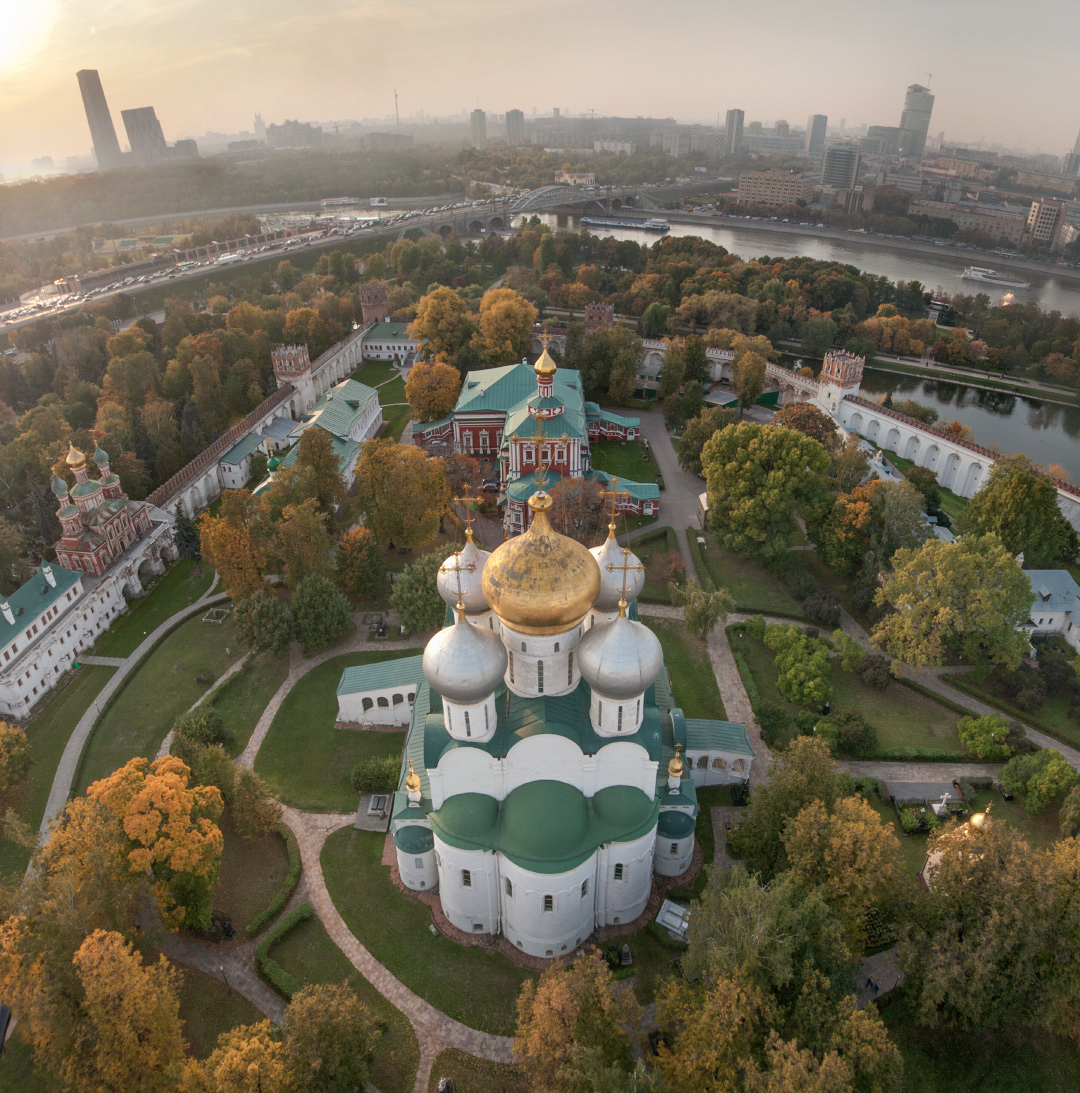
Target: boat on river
(992,277)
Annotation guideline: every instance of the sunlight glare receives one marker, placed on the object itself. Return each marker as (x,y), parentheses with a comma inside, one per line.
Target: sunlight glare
(26,29)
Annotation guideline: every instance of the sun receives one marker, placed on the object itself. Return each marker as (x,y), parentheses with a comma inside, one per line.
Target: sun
(27,27)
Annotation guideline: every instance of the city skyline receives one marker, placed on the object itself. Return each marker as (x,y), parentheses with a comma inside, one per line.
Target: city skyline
(205,70)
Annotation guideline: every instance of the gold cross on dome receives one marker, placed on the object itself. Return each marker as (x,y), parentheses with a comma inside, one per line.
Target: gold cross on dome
(614,495)
(468,500)
(626,568)
(545,336)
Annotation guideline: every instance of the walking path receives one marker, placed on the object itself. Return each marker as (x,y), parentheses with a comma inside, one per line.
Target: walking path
(166,744)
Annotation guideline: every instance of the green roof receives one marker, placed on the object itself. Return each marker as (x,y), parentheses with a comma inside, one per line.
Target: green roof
(702,735)
(29,600)
(414,839)
(339,409)
(521,489)
(595,413)
(510,390)
(675,824)
(388,332)
(572,828)
(407,671)
(640,491)
(344,449)
(242,449)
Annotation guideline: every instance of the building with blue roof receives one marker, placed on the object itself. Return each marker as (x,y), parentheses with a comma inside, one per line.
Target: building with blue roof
(1055,604)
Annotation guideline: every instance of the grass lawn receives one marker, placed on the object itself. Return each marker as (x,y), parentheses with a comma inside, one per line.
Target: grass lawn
(753,587)
(48,735)
(938,1060)
(153,697)
(651,549)
(392,392)
(476,1075)
(688,665)
(252,872)
(180,587)
(396,418)
(475,985)
(17,1072)
(375,372)
(304,759)
(309,955)
(624,459)
(902,718)
(208,1008)
(1052,716)
(242,698)
(950,502)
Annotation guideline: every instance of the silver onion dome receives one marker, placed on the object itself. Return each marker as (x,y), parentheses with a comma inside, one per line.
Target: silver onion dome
(620,659)
(464,663)
(609,553)
(468,567)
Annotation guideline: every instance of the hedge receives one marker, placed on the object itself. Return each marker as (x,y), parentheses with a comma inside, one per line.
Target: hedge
(698,559)
(285,984)
(292,879)
(749,683)
(1031,719)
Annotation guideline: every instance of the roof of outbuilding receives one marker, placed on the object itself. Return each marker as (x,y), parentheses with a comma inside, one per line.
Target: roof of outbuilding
(705,735)
(242,449)
(1053,589)
(381,675)
(33,597)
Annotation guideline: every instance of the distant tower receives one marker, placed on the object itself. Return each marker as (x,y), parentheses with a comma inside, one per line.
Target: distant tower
(479,129)
(841,376)
(599,317)
(915,121)
(373,301)
(733,132)
(816,126)
(292,366)
(515,127)
(840,166)
(102,131)
(260,128)
(144,135)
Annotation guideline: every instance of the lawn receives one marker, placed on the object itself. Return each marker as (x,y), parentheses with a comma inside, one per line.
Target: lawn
(17,1072)
(1052,716)
(184,583)
(375,372)
(252,873)
(161,688)
(476,1075)
(208,1008)
(950,502)
(308,954)
(392,392)
(48,734)
(477,986)
(243,697)
(396,418)
(690,670)
(753,587)
(904,719)
(651,549)
(304,759)
(940,1060)
(624,459)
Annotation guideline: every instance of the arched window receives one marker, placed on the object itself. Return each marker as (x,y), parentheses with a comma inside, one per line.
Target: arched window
(599,713)
(549,903)
(719,764)
(619,871)
(468,726)
(523,647)
(584,888)
(384,702)
(556,647)
(449,721)
(618,727)
(511,666)
(540,676)
(570,669)
(703,761)
(509,888)
(466,878)
(368,703)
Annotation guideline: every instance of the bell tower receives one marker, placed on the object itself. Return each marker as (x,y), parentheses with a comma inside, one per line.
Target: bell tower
(292,365)
(373,301)
(841,376)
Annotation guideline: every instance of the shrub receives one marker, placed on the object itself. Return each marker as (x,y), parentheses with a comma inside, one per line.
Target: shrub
(866,787)
(202,725)
(985,737)
(292,879)
(378,774)
(255,811)
(663,936)
(278,978)
(851,654)
(1069,817)
(209,764)
(322,612)
(1040,777)
(800,578)
(14,755)
(802,665)
(823,606)
(755,627)
(875,673)
(848,734)
(910,822)
(264,622)
(774,721)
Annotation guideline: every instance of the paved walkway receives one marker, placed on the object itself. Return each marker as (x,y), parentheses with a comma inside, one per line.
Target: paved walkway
(108,662)
(166,744)
(882,967)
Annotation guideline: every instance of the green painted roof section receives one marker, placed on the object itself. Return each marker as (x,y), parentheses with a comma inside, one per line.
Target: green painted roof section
(674,824)
(640,491)
(521,489)
(339,409)
(595,413)
(428,426)
(414,839)
(344,449)
(573,826)
(242,449)
(388,332)
(407,671)
(684,797)
(703,735)
(510,389)
(85,489)
(29,600)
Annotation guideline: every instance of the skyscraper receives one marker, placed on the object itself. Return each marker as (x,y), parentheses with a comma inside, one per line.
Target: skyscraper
(144,135)
(840,166)
(915,120)
(515,127)
(479,129)
(102,132)
(733,132)
(816,125)
(1071,166)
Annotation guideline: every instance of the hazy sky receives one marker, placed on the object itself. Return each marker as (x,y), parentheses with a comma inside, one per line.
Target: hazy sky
(1000,70)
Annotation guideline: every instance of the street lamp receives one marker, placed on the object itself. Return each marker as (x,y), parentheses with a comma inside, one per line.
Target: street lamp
(226,978)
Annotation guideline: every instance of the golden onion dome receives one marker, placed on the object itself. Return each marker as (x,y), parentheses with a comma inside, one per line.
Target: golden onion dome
(676,766)
(412,780)
(541,582)
(75,458)
(545,365)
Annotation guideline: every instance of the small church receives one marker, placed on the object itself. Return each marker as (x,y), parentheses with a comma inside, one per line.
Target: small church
(547,775)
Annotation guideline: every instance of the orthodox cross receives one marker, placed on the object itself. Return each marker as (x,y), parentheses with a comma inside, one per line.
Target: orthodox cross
(457,568)
(538,440)
(626,568)
(468,500)
(545,336)
(614,495)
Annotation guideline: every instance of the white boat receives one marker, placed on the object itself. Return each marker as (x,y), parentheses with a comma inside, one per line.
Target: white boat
(992,277)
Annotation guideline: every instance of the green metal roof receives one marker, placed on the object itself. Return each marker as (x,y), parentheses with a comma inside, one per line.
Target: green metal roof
(674,824)
(339,409)
(414,839)
(242,449)
(344,449)
(595,413)
(640,491)
(406,671)
(388,332)
(521,489)
(29,600)
(702,735)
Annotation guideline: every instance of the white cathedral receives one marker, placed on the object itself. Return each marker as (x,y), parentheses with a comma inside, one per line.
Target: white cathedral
(543,780)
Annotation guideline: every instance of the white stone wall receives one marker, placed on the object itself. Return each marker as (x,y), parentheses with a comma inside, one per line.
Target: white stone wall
(527,652)
(673,856)
(616,717)
(468,887)
(547,914)
(476,721)
(418,871)
(718,768)
(386,706)
(621,893)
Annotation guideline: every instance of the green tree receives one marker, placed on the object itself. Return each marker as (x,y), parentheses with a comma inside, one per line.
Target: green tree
(757,477)
(202,725)
(14,756)
(654,321)
(848,465)
(802,664)
(702,610)
(1041,776)
(987,738)
(359,563)
(748,378)
(329,1040)
(15,567)
(322,612)
(698,430)
(964,599)
(817,335)
(265,622)
(318,468)
(695,360)
(302,543)
(415,596)
(403,492)
(254,810)
(1020,506)
(1069,816)
(185,535)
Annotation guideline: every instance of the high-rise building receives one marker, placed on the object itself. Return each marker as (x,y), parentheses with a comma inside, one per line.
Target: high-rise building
(144,135)
(840,166)
(1071,167)
(733,132)
(816,125)
(260,128)
(515,127)
(915,120)
(102,131)
(479,128)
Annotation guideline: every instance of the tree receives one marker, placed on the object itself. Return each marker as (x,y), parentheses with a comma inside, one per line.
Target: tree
(570,1009)
(15,569)
(202,725)
(247,1059)
(321,611)
(757,476)
(802,664)
(432,389)
(1069,816)
(185,535)
(263,622)
(987,738)
(318,468)
(806,418)
(695,360)
(330,1039)
(505,326)
(402,490)
(228,545)
(702,610)
(254,809)
(925,481)
(442,327)
(14,756)
(302,543)
(1019,505)
(415,596)
(698,430)
(964,599)
(848,465)
(655,319)
(359,563)
(817,335)
(173,833)
(578,507)
(1041,776)
(748,378)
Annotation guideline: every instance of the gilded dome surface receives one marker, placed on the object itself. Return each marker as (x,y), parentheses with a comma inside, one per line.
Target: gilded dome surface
(609,553)
(620,659)
(75,458)
(467,565)
(464,663)
(545,364)
(541,582)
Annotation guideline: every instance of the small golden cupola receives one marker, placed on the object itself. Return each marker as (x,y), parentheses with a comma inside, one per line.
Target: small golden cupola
(545,369)
(75,458)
